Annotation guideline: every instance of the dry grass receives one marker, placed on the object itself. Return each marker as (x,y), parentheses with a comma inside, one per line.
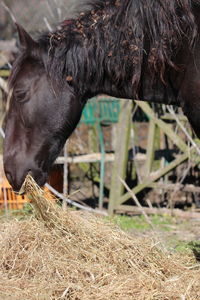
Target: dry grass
(73,255)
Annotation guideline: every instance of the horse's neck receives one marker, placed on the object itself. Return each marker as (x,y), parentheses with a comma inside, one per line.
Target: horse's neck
(158,92)
(123,88)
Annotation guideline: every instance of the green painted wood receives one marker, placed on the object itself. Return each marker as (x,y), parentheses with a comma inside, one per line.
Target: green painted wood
(121,154)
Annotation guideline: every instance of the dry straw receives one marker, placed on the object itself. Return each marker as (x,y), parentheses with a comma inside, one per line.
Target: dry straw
(74,255)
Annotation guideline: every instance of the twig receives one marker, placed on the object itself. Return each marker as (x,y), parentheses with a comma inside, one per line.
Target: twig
(2,133)
(50,8)
(171,110)
(134,210)
(47,24)
(59,195)
(177,187)
(9,11)
(149,203)
(137,202)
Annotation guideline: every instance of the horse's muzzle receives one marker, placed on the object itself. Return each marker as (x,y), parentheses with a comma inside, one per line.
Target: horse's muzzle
(16,179)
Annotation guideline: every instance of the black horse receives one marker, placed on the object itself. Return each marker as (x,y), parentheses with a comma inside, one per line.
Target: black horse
(144,49)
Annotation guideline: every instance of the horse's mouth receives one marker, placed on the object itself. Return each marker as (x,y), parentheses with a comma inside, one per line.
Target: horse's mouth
(38,175)
(22,190)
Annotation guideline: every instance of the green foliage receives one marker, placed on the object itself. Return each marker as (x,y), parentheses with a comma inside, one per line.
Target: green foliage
(195,247)
(165,226)
(181,246)
(19,214)
(28,209)
(139,222)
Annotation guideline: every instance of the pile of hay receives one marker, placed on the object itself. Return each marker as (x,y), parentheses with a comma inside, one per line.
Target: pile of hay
(73,255)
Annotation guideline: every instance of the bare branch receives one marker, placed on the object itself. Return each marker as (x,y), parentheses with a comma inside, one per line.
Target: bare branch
(9,11)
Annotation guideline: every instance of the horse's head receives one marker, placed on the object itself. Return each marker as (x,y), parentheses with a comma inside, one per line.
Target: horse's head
(40,117)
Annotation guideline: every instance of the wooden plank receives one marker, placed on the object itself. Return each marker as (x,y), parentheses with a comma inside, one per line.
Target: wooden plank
(86,158)
(165,127)
(158,211)
(150,147)
(155,176)
(169,116)
(121,154)
(95,157)
(175,186)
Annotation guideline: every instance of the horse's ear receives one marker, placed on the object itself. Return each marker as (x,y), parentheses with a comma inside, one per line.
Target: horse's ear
(26,41)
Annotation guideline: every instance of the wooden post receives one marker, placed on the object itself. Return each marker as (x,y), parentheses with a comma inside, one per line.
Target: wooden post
(121,154)
(65,178)
(150,148)
(93,139)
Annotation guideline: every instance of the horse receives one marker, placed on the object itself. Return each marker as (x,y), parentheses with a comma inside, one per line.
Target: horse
(133,49)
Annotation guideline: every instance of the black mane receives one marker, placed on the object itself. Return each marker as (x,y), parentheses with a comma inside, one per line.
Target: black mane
(115,38)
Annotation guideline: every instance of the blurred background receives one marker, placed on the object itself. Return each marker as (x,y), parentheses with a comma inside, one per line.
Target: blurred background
(36,15)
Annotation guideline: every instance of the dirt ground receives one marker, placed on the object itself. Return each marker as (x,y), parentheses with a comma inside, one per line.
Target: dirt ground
(176,234)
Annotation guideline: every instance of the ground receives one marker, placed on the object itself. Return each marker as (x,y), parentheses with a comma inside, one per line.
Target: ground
(176,234)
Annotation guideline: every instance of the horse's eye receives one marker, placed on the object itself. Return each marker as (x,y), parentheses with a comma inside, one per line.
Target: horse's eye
(20,96)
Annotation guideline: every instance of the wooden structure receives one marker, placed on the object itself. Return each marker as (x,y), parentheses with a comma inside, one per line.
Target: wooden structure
(10,200)
(150,180)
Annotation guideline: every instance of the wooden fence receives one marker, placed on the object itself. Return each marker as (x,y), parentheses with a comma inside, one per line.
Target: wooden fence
(186,152)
